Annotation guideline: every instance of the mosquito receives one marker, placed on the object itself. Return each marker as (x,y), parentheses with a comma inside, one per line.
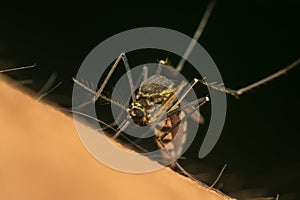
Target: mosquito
(160,103)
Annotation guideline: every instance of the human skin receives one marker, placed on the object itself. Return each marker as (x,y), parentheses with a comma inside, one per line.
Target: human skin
(42,157)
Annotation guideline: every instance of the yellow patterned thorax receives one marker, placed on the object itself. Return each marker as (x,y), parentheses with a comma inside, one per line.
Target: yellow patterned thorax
(153,94)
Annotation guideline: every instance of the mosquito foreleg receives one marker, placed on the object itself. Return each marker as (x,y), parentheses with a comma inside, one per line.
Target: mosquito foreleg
(122,57)
(101,96)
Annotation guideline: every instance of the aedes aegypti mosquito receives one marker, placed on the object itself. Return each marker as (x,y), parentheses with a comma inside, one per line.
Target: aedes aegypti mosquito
(156,102)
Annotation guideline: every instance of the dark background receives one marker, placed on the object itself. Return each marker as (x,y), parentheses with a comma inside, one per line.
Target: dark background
(247,40)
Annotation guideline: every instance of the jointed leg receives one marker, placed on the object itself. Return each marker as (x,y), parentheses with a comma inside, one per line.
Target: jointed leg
(199,103)
(123,126)
(184,93)
(122,57)
(100,95)
(197,34)
(17,68)
(144,76)
(179,94)
(268,78)
(256,84)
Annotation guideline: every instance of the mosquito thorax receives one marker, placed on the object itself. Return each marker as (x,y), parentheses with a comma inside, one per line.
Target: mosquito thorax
(150,98)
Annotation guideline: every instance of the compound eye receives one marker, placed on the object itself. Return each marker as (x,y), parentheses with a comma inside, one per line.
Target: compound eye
(138,113)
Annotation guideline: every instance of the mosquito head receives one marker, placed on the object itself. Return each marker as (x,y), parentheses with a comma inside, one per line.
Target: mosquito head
(137,113)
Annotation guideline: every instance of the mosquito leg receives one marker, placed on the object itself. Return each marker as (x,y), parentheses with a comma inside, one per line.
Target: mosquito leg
(197,34)
(181,94)
(108,126)
(123,126)
(268,78)
(98,94)
(122,57)
(22,82)
(239,92)
(198,103)
(46,89)
(93,118)
(158,70)
(178,90)
(176,163)
(159,114)
(101,96)
(184,93)
(218,177)
(48,84)
(50,90)
(145,73)
(144,76)
(192,106)
(201,102)
(17,68)
(196,116)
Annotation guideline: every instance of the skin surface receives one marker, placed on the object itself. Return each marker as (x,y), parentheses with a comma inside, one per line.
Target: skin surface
(42,157)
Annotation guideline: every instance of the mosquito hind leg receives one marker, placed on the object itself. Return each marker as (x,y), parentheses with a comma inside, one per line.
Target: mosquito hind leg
(239,92)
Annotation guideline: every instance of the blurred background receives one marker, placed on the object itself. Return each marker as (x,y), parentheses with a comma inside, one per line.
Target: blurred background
(247,40)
